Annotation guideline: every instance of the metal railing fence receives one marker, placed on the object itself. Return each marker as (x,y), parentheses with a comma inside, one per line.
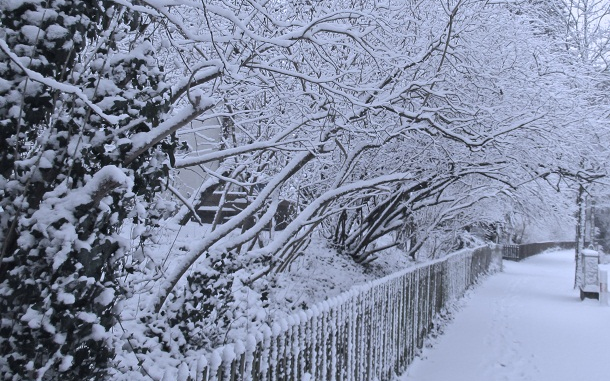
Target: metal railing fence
(520,252)
(369,333)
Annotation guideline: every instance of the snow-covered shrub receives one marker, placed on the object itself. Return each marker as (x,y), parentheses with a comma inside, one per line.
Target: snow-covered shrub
(74,92)
(215,306)
(203,306)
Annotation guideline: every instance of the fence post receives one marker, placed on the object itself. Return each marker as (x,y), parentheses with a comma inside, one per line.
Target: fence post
(603,286)
(496,258)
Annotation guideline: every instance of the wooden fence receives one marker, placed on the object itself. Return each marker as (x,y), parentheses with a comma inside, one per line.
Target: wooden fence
(520,252)
(369,333)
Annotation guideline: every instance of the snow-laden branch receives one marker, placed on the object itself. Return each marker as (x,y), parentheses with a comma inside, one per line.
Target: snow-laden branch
(145,140)
(310,211)
(205,72)
(59,86)
(251,233)
(274,143)
(198,249)
(429,117)
(294,31)
(230,152)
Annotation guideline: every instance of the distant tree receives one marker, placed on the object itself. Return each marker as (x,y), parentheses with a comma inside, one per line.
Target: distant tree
(581,32)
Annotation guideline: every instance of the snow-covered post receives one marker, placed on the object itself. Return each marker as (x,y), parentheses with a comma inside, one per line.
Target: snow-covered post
(590,274)
(603,284)
(496,258)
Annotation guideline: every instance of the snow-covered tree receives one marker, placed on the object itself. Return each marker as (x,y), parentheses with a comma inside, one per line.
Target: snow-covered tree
(580,32)
(360,119)
(357,134)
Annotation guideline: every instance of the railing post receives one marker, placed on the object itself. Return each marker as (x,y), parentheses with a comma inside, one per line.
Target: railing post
(603,286)
(496,257)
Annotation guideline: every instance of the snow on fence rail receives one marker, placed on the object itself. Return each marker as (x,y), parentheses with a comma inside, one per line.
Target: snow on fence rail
(371,332)
(520,252)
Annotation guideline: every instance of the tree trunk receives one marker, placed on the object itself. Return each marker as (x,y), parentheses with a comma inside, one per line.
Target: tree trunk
(580,235)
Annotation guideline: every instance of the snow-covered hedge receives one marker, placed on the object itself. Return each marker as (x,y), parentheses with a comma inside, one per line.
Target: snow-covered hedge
(370,332)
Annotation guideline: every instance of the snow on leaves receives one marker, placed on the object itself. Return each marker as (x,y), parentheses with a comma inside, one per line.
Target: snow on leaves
(74,83)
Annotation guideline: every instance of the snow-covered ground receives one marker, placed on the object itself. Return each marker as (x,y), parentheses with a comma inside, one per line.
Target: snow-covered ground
(526,323)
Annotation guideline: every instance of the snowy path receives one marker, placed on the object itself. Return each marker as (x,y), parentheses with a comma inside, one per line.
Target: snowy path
(526,323)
